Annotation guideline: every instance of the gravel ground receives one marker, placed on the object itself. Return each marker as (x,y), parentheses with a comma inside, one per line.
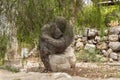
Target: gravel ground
(83,71)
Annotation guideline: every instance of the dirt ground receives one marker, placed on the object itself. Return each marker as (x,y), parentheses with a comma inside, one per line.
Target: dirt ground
(94,70)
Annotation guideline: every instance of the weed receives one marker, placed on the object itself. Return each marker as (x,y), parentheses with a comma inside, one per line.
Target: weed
(85,56)
(9,68)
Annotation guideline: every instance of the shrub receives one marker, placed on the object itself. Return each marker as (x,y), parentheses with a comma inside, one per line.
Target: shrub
(3,43)
(85,56)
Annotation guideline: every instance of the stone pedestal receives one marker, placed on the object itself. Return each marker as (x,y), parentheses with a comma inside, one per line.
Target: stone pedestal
(63,61)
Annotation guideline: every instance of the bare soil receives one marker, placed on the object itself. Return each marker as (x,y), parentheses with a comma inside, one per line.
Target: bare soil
(101,71)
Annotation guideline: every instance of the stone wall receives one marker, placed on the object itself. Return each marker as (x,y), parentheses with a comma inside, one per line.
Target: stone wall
(108,45)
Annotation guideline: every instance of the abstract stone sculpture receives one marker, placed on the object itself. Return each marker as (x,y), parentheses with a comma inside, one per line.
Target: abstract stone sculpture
(55,38)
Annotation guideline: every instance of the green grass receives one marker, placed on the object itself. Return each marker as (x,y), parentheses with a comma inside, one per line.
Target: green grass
(9,68)
(85,56)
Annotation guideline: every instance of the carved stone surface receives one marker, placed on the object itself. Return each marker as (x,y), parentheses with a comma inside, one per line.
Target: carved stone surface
(63,61)
(55,38)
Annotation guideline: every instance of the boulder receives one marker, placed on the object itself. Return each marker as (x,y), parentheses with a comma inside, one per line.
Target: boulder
(114,30)
(104,52)
(79,40)
(107,53)
(69,53)
(34,52)
(102,46)
(114,56)
(85,33)
(92,41)
(98,38)
(77,36)
(105,38)
(63,61)
(92,33)
(115,46)
(106,32)
(61,76)
(113,37)
(84,40)
(59,63)
(79,45)
(90,48)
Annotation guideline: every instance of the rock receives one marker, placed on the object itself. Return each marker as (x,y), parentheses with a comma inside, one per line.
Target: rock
(38,76)
(32,66)
(34,52)
(114,56)
(92,41)
(98,38)
(105,38)
(24,52)
(102,45)
(69,53)
(104,52)
(79,45)
(59,63)
(61,75)
(111,60)
(92,33)
(84,39)
(109,51)
(106,32)
(114,30)
(77,37)
(90,48)
(63,61)
(113,37)
(79,40)
(85,33)
(115,46)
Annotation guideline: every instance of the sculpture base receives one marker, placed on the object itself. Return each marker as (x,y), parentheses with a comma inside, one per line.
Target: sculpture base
(63,61)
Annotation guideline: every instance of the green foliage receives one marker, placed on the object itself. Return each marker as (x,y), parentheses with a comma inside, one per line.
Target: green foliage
(3,43)
(96,16)
(114,15)
(30,18)
(85,56)
(89,17)
(33,14)
(9,68)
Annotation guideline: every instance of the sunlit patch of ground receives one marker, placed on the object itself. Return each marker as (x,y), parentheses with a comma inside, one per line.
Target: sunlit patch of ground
(99,71)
